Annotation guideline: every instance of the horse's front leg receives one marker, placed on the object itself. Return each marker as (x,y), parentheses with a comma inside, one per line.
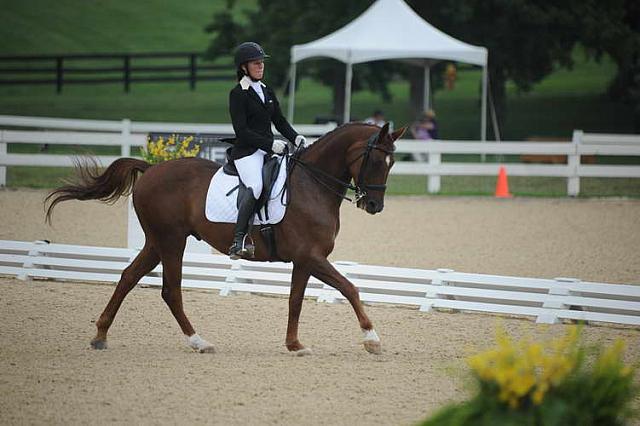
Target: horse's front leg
(324,271)
(299,279)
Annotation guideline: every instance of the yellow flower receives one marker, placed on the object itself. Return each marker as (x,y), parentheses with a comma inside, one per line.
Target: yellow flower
(168,149)
(538,395)
(610,358)
(524,370)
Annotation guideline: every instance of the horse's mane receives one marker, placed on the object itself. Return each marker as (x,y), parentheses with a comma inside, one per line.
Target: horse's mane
(330,134)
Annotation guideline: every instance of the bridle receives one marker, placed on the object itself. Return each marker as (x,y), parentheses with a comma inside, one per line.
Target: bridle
(360,188)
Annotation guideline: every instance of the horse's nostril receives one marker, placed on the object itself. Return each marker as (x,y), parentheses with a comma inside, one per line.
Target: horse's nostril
(372,204)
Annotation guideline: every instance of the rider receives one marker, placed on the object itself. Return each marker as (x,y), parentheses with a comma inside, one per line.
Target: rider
(253,106)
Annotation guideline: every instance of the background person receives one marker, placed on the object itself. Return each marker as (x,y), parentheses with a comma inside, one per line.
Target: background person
(426,127)
(376,119)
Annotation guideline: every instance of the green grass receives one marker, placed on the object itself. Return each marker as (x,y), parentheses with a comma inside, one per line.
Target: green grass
(37,177)
(518,185)
(37,27)
(566,100)
(19,148)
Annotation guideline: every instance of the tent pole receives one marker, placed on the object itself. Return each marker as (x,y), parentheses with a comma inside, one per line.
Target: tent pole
(426,99)
(347,94)
(483,118)
(292,91)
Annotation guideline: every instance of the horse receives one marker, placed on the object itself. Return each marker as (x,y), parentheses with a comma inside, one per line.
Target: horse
(169,200)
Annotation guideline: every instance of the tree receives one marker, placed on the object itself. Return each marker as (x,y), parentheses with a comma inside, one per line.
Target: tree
(613,28)
(278,25)
(526,39)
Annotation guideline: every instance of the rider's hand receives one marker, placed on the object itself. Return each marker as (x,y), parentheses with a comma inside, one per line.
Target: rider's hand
(278,146)
(300,141)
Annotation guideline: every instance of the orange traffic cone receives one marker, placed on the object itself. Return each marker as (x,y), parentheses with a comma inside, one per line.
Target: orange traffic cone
(502,186)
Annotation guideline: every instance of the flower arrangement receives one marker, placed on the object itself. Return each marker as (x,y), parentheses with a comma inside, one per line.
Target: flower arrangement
(161,150)
(551,383)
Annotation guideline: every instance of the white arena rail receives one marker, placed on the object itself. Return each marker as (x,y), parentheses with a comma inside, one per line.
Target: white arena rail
(582,144)
(123,133)
(126,134)
(549,301)
(128,126)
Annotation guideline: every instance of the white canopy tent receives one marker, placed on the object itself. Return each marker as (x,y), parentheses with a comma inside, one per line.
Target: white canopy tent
(390,29)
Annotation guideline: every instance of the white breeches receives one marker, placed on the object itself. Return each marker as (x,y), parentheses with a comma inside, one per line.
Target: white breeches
(250,171)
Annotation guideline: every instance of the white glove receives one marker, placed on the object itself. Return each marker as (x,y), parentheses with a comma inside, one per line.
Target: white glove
(300,141)
(278,146)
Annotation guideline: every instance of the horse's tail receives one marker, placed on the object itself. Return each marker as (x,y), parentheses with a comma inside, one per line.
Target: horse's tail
(117,180)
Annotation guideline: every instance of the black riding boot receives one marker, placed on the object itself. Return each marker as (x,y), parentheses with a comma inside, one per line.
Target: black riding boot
(241,247)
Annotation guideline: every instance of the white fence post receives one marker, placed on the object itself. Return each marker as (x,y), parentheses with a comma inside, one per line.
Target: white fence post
(573,163)
(28,264)
(430,295)
(135,235)
(230,280)
(125,149)
(555,301)
(3,152)
(433,181)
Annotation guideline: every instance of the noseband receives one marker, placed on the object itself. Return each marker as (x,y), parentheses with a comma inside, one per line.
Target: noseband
(360,187)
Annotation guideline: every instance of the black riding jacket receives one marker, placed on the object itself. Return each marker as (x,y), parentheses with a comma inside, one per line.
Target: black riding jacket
(252,118)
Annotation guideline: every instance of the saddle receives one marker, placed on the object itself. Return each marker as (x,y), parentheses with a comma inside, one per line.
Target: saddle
(270,170)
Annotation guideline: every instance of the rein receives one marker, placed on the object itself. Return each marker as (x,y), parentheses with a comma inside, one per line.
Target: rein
(360,188)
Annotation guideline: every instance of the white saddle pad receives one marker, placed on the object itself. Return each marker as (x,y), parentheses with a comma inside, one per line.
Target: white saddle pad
(222,208)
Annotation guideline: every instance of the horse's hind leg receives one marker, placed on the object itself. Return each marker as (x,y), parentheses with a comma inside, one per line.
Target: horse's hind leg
(324,271)
(144,263)
(172,294)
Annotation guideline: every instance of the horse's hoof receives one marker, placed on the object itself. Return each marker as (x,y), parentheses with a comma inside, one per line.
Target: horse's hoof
(302,352)
(198,344)
(373,347)
(207,350)
(99,344)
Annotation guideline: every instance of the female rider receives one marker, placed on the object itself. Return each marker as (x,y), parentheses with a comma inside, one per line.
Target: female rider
(253,106)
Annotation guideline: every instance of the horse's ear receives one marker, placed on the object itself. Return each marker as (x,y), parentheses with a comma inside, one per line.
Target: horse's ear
(398,133)
(383,132)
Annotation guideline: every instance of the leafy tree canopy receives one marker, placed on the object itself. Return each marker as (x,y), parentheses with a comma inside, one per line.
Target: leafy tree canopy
(526,39)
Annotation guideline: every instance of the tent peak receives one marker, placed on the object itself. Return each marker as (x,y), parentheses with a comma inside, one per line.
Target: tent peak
(406,36)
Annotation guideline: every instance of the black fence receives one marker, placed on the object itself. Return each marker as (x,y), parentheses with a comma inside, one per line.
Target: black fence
(125,68)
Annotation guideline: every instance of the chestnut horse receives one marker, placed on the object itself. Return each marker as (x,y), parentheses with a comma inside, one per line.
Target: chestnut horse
(169,199)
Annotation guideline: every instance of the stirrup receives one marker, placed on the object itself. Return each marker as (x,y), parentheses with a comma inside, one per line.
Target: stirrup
(247,249)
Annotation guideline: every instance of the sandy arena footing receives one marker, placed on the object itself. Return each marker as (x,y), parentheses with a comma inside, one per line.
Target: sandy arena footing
(48,374)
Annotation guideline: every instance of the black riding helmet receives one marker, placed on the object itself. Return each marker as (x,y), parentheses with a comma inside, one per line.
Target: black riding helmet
(249,51)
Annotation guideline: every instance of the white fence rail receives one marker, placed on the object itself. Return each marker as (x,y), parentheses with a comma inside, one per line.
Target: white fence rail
(127,134)
(128,126)
(124,133)
(548,301)
(582,144)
